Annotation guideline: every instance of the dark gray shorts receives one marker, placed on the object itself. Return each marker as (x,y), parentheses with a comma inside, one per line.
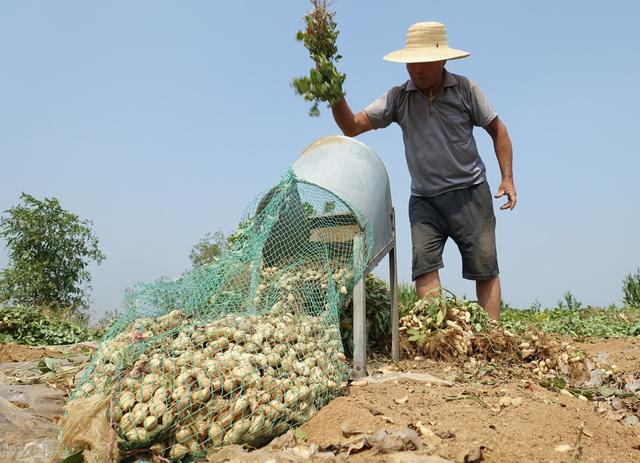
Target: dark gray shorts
(465,215)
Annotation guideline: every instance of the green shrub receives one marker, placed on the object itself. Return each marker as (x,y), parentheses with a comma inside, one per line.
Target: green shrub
(35,326)
(50,250)
(582,322)
(378,317)
(631,289)
(407,297)
(569,302)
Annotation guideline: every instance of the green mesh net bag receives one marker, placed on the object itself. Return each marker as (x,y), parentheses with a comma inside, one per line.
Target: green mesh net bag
(236,352)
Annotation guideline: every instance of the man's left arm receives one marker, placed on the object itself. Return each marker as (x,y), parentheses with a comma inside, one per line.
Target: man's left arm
(504,152)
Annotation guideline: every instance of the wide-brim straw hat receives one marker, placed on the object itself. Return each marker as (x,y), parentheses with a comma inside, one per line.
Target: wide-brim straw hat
(426,41)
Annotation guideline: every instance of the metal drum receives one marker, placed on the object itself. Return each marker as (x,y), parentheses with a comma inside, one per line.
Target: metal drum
(355,174)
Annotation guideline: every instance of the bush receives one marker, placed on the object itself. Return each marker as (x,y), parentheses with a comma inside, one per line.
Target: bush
(569,302)
(631,289)
(208,249)
(34,326)
(378,317)
(50,250)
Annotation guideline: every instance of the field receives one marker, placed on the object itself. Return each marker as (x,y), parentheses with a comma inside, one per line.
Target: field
(493,401)
(505,415)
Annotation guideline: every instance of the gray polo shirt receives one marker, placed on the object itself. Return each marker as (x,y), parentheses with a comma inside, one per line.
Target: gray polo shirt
(438,136)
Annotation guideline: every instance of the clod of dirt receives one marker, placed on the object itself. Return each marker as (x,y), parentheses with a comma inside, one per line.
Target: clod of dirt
(445,434)
(473,455)
(349,430)
(633,386)
(510,401)
(422,429)
(616,404)
(631,420)
(374,411)
(360,382)
(563,448)
(596,379)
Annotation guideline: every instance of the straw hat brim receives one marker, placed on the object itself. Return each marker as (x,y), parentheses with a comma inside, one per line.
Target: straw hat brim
(425,55)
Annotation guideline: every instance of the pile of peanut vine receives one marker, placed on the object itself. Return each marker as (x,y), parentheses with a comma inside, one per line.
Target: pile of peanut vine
(324,82)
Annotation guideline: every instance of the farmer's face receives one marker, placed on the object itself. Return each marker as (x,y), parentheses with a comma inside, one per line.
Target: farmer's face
(425,75)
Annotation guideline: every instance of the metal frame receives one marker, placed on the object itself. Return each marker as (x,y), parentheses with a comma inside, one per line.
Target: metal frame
(360,308)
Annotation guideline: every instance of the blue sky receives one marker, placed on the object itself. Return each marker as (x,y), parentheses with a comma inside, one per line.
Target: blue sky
(160,121)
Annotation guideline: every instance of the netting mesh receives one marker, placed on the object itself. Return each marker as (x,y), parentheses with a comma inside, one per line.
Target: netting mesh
(241,350)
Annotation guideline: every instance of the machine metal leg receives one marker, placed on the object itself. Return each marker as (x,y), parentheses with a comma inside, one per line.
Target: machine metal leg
(359,320)
(359,331)
(393,284)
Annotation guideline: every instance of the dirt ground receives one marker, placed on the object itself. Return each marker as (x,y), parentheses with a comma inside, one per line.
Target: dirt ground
(538,426)
(621,352)
(489,414)
(20,353)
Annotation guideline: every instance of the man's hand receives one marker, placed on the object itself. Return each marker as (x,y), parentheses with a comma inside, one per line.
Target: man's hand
(507,188)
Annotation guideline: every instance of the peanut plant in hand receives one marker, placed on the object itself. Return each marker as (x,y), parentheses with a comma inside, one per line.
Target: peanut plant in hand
(324,82)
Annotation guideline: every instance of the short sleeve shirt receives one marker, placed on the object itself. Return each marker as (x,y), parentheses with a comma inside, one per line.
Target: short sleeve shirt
(440,149)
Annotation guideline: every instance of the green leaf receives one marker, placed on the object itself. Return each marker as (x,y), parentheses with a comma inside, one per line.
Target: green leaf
(607,391)
(415,335)
(42,366)
(51,363)
(300,435)
(75,458)
(558,382)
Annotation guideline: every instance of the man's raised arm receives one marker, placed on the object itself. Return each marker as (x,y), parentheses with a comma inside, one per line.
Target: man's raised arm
(350,124)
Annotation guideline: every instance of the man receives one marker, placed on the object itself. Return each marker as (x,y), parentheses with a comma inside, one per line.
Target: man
(449,193)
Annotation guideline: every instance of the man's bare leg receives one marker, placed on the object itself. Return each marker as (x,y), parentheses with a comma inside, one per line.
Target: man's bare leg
(427,283)
(489,296)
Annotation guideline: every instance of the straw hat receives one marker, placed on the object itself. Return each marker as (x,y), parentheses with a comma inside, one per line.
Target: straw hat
(426,41)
